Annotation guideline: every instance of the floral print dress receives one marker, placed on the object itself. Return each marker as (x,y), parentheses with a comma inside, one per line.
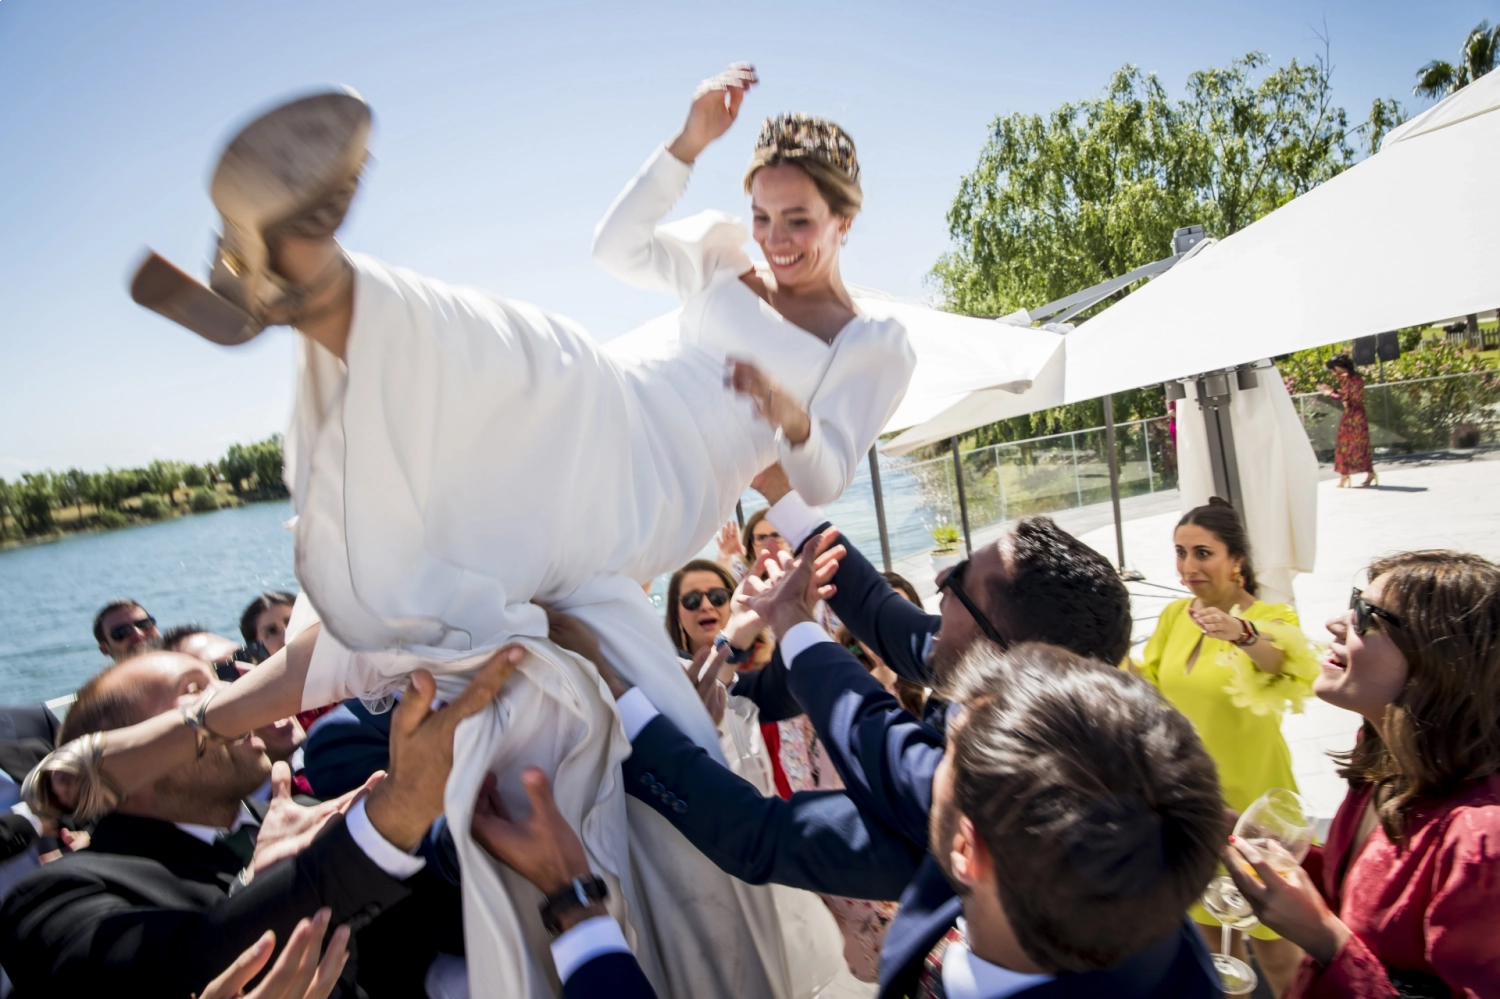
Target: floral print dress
(1352,455)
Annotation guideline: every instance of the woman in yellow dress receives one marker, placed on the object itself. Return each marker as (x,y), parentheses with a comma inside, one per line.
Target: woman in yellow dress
(1233,664)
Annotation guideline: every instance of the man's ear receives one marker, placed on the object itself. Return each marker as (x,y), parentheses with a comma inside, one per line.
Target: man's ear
(969,858)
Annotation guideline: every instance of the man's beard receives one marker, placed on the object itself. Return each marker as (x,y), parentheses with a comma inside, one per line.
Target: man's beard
(217,780)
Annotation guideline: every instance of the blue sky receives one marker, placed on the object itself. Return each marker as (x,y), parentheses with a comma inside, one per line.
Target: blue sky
(503,130)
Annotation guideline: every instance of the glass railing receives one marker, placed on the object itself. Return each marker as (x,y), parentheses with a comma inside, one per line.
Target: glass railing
(1416,415)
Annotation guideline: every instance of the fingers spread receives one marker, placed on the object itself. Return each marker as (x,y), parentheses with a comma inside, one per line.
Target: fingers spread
(331,967)
(281,780)
(244,968)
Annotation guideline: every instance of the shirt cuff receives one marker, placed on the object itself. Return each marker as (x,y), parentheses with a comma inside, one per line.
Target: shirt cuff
(589,939)
(395,862)
(795,519)
(636,712)
(799,638)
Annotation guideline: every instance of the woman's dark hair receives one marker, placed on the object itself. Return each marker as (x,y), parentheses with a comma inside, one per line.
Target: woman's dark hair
(1342,361)
(1218,517)
(1443,729)
(902,584)
(747,534)
(258,606)
(674,590)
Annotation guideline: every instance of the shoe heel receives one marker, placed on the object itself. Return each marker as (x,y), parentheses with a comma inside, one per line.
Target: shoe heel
(166,289)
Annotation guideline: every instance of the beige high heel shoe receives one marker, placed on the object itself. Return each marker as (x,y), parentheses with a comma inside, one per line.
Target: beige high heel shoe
(291,172)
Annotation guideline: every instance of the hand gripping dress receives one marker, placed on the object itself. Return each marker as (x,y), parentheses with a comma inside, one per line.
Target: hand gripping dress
(472,455)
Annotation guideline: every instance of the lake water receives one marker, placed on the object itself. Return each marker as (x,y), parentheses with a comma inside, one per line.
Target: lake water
(206,568)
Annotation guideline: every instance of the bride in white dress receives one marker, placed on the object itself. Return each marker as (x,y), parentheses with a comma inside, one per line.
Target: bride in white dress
(456,459)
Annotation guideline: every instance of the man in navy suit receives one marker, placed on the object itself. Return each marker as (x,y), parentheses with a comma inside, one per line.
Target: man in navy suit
(871,841)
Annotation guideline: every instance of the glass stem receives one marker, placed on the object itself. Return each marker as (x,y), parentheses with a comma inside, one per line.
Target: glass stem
(1228,937)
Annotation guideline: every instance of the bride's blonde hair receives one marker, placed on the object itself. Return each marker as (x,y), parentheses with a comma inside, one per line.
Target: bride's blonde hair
(820,149)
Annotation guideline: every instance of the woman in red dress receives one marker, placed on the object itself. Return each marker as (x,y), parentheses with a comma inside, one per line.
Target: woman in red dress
(1353,452)
(1404,898)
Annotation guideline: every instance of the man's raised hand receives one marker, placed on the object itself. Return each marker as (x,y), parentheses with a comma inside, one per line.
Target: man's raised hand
(793,586)
(409,800)
(289,828)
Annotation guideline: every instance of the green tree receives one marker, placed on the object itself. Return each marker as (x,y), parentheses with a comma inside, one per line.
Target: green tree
(266,458)
(236,466)
(7,505)
(194,476)
(72,489)
(163,477)
(1477,56)
(34,501)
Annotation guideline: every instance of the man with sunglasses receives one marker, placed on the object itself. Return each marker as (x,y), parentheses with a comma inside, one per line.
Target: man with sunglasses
(1036,584)
(123,628)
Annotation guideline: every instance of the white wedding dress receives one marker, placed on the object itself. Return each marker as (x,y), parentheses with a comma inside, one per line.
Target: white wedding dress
(473,455)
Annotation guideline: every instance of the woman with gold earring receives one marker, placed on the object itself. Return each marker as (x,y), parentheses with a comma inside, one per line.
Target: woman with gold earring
(1233,664)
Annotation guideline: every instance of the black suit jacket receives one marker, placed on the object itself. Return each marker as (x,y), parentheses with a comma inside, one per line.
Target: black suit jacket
(609,976)
(28,721)
(146,910)
(17,758)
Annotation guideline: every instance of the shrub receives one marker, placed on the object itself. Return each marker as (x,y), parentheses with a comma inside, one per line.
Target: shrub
(155,507)
(203,500)
(110,519)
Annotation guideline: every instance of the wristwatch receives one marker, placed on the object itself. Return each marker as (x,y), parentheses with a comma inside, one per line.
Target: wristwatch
(582,893)
(736,656)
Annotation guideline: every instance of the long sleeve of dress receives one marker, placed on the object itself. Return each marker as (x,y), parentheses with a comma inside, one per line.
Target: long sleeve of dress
(680,258)
(865,382)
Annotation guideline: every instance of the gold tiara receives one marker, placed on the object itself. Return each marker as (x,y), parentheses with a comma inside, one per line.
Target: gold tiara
(801,136)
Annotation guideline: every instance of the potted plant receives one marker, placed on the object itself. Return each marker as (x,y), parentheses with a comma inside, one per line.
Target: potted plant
(947,553)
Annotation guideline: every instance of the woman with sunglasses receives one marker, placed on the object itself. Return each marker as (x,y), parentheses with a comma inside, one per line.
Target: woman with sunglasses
(1232,664)
(1404,896)
(697,605)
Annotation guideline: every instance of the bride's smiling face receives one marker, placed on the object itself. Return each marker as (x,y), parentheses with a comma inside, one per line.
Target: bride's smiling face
(797,231)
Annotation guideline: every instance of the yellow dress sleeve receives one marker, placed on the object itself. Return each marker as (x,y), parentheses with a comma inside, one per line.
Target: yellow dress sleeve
(1150,663)
(1272,693)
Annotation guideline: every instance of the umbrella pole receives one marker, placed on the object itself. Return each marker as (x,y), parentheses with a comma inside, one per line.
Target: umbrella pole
(1114,475)
(885,536)
(963,505)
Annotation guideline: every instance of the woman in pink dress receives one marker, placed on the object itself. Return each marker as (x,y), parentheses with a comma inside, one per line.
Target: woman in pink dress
(1402,899)
(1352,455)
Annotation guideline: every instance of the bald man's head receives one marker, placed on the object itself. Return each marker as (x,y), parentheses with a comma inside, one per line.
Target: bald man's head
(148,685)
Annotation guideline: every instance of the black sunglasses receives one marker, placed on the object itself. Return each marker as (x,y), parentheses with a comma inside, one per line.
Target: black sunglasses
(693,599)
(954,583)
(143,625)
(1364,612)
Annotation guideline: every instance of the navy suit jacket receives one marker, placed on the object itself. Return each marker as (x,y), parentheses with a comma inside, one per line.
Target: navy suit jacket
(897,630)
(617,975)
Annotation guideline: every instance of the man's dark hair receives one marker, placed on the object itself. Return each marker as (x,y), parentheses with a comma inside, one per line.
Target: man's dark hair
(103,704)
(1096,798)
(113,605)
(1058,590)
(258,606)
(174,636)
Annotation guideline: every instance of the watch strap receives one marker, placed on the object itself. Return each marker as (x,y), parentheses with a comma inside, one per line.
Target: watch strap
(736,656)
(580,894)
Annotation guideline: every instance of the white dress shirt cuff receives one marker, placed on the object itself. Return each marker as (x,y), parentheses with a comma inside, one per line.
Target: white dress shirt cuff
(799,638)
(589,939)
(636,712)
(389,858)
(795,519)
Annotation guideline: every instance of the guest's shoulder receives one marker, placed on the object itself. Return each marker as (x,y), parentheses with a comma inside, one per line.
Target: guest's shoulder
(1262,610)
(1472,823)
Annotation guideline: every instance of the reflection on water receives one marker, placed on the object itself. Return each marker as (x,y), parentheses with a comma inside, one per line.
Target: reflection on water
(204,568)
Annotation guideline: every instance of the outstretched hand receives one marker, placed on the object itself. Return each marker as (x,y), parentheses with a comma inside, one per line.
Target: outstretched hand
(716,105)
(297,973)
(793,586)
(289,828)
(567,632)
(711,674)
(409,800)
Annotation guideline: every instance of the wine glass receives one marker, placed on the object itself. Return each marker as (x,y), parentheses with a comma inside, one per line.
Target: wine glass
(1281,826)
(1225,903)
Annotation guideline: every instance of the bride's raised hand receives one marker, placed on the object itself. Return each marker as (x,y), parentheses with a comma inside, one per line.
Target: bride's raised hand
(771,402)
(716,104)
